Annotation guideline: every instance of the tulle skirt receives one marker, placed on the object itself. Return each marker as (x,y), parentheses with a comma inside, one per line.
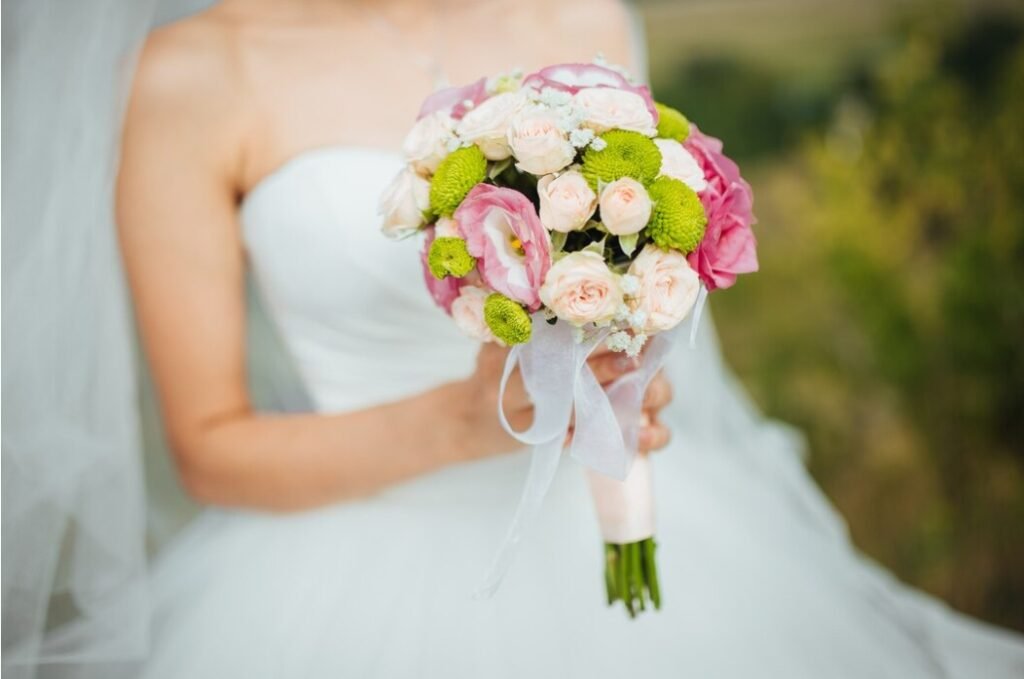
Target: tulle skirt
(758,577)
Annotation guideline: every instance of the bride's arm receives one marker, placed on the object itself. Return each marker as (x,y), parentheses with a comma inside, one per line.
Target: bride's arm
(177,202)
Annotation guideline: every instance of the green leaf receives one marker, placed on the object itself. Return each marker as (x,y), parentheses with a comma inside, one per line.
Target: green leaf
(558,239)
(628,243)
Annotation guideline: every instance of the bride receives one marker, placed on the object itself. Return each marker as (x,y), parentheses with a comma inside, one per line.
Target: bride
(345,541)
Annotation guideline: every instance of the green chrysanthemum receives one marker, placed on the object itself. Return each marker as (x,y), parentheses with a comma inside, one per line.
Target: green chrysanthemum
(507,319)
(671,123)
(624,154)
(449,257)
(677,220)
(459,172)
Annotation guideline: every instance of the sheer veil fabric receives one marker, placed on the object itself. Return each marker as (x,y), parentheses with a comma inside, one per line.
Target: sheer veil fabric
(74,507)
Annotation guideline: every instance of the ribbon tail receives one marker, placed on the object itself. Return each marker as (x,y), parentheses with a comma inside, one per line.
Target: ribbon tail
(543,466)
(698,312)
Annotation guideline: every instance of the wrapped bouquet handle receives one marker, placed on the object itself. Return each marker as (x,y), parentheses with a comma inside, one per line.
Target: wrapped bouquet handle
(559,380)
(561,210)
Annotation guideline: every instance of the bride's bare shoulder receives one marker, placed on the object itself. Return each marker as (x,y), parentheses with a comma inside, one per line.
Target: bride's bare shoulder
(192,65)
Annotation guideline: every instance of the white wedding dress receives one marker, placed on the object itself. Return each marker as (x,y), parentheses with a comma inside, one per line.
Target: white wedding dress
(759,577)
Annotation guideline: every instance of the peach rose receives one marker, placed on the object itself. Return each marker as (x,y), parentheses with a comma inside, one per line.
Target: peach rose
(566,202)
(625,207)
(539,144)
(468,313)
(668,288)
(487,124)
(580,288)
(426,145)
(607,108)
(403,204)
(678,163)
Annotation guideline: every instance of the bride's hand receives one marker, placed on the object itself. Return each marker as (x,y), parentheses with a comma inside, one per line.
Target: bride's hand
(484,433)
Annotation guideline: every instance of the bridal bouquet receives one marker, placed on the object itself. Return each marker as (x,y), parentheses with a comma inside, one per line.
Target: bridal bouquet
(564,210)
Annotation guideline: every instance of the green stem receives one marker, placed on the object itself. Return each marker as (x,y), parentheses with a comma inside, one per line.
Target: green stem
(651,572)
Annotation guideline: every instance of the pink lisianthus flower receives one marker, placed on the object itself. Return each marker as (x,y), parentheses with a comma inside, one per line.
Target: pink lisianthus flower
(453,100)
(572,78)
(729,247)
(444,291)
(504,233)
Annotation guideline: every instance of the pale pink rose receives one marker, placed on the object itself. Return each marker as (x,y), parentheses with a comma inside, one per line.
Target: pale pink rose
(455,101)
(487,124)
(625,207)
(668,288)
(580,288)
(468,313)
(566,202)
(426,145)
(678,163)
(572,78)
(446,227)
(729,247)
(605,108)
(444,291)
(403,204)
(539,144)
(504,233)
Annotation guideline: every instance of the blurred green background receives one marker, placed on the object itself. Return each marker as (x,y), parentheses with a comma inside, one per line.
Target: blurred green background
(885,145)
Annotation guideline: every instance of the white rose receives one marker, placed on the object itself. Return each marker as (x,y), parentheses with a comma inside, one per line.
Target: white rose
(668,288)
(403,203)
(426,145)
(539,144)
(487,124)
(566,202)
(625,206)
(580,288)
(606,108)
(468,313)
(678,163)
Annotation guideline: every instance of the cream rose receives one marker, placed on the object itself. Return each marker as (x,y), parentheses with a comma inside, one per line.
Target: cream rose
(468,313)
(625,206)
(668,288)
(487,124)
(403,203)
(446,227)
(426,145)
(580,288)
(566,202)
(607,108)
(678,163)
(539,144)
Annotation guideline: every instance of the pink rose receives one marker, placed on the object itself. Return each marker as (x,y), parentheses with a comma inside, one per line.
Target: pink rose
(468,313)
(625,207)
(729,247)
(606,108)
(443,291)
(580,288)
(452,100)
(539,143)
(668,288)
(512,247)
(426,145)
(566,202)
(572,78)
(487,124)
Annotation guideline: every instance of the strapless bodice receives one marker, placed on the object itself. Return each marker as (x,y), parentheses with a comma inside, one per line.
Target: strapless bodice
(350,305)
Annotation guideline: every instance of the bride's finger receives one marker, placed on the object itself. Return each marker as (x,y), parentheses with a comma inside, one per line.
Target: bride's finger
(658,394)
(610,366)
(654,437)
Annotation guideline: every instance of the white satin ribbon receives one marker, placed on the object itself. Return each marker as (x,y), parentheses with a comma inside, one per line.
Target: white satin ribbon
(557,377)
